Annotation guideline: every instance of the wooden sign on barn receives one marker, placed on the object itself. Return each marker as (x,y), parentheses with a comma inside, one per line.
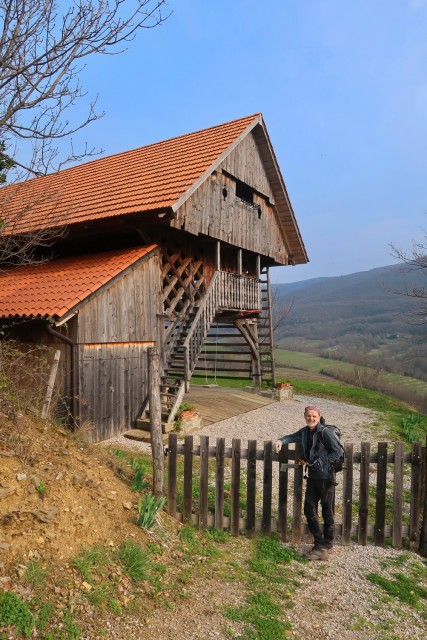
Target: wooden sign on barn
(167,245)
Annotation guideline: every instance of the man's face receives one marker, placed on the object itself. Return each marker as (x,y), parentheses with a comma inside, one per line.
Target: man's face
(312,418)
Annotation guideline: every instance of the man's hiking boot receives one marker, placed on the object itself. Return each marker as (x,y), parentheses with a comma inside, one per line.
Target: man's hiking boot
(317,553)
(329,548)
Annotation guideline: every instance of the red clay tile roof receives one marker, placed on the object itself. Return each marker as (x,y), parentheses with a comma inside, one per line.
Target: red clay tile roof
(148,178)
(54,288)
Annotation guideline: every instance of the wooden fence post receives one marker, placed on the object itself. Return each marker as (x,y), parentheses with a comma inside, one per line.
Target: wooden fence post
(156,421)
(267,488)
(423,535)
(219,484)
(51,384)
(297,506)
(362,537)
(187,508)
(204,481)
(347,495)
(173,441)
(416,469)
(282,523)
(235,486)
(397,495)
(251,487)
(381,494)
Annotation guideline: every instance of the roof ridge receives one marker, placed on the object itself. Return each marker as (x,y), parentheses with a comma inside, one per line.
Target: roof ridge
(83,165)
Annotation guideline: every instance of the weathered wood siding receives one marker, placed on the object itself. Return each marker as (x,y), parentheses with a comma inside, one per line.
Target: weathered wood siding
(230,219)
(115,329)
(113,384)
(127,309)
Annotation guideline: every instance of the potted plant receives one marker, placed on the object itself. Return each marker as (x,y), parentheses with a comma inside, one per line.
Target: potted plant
(284,384)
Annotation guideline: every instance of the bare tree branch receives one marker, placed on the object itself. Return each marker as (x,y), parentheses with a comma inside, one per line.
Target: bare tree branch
(43,46)
(416,260)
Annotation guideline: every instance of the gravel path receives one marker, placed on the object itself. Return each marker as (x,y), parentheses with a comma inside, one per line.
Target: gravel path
(334,601)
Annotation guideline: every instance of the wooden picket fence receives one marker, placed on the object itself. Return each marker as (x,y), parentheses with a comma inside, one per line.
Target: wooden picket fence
(399,484)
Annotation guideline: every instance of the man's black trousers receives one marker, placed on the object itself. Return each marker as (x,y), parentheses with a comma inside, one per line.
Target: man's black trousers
(320,491)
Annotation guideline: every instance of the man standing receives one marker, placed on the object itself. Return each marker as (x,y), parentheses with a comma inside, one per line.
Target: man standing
(321,449)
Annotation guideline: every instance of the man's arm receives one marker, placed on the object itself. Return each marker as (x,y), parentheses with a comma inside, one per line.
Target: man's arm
(293,437)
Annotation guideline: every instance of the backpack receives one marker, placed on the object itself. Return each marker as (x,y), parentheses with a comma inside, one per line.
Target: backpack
(338,464)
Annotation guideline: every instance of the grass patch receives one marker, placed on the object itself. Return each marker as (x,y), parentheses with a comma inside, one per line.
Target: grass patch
(135,561)
(400,586)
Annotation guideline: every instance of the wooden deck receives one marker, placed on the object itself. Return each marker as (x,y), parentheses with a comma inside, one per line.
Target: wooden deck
(219,403)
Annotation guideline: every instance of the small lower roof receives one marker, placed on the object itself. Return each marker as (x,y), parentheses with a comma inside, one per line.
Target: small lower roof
(54,288)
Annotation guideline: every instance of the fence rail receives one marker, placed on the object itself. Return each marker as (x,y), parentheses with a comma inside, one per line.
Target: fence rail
(382,492)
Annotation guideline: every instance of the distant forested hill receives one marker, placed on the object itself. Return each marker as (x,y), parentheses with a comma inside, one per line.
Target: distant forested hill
(357,315)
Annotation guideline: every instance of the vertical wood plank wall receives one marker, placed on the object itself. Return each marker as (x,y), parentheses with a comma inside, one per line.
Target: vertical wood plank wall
(115,329)
(229,219)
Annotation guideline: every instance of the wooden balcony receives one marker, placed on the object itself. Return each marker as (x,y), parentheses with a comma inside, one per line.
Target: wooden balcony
(237,292)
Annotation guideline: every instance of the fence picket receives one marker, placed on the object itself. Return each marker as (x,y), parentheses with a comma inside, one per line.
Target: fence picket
(298,485)
(188,479)
(380,501)
(397,495)
(235,486)
(364,493)
(282,524)
(251,487)
(415,508)
(267,488)
(219,484)
(173,441)
(347,495)
(204,478)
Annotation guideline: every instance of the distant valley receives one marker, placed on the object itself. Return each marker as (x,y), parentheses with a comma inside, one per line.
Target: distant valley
(363,318)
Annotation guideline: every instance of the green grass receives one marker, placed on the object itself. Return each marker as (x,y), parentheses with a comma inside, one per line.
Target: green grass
(270,582)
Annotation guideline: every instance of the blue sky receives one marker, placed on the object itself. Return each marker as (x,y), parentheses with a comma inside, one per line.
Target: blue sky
(342,87)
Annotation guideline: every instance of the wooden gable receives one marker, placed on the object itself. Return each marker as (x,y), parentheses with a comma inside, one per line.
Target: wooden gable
(243,202)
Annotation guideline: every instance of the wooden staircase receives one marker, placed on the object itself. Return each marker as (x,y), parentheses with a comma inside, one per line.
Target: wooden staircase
(183,345)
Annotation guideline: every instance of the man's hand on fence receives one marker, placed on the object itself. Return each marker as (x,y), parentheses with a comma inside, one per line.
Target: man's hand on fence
(278,445)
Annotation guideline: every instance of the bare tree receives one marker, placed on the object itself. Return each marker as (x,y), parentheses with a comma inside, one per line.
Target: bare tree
(415,260)
(43,48)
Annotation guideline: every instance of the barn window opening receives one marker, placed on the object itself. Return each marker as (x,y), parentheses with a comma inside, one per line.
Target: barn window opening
(244,192)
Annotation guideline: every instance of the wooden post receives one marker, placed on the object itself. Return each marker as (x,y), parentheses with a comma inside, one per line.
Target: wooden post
(204,482)
(416,468)
(298,491)
(251,488)
(235,486)
(188,479)
(51,384)
(396,536)
(347,495)
(156,421)
(239,262)
(218,256)
(172,445)
(267,488)
(364,494)
(381,494)
(423,535)
(219,484)
(271,330)
(282,523)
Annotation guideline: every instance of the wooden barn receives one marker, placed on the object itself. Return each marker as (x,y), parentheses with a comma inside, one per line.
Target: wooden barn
(168,245)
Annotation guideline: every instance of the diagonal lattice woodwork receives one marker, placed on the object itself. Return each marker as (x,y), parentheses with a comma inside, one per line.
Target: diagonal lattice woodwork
(183,280)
